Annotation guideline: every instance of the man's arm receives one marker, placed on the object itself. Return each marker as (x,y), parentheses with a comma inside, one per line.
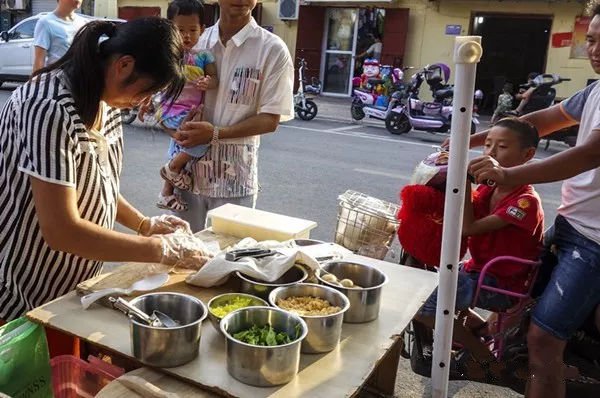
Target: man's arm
(546,121)
(200,133)
(561,166)
(41,43)
(39,58)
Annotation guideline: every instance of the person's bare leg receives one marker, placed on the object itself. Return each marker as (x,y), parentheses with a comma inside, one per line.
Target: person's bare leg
(168,189)
(179,161)
(473,344)
(472,320)
(546,367)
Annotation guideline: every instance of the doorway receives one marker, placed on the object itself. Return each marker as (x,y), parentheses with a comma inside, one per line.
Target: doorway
(339,49)
(514,45)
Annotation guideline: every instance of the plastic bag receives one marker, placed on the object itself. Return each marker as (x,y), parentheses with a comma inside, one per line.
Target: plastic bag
(217,270)
(24,360)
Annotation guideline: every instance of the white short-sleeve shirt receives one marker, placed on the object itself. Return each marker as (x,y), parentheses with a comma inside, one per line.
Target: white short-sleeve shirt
(256,75)
(55,34)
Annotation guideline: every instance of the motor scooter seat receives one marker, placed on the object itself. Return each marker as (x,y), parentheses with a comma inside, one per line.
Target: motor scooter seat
(375,82)
(444,93)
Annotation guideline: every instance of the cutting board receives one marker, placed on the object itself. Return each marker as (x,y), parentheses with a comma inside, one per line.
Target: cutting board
(166,383)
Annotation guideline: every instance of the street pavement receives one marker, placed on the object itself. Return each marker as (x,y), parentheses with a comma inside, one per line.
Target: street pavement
(303,167)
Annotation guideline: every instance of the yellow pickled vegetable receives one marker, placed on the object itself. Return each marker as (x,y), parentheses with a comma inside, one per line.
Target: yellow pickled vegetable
(234,304)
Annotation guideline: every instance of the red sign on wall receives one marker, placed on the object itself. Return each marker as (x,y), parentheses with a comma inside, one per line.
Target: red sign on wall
(562,39)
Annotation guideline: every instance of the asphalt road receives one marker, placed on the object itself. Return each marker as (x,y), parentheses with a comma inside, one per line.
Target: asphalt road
(303,167)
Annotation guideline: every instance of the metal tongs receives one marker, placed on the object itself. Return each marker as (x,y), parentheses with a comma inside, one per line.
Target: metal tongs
(157,320)
(235,255)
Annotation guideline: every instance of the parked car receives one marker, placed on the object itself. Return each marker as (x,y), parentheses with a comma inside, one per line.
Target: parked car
(16,49)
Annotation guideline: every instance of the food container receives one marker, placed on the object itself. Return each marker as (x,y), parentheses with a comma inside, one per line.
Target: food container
(364,301)
(168,347)
(261,225)
(324,331)
(223,299)
(263,366)
(255,287)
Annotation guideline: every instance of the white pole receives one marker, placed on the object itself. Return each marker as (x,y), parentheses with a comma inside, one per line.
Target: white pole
(467,52)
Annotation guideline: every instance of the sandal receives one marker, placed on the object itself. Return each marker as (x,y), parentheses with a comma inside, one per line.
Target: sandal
(171,202)
(181,181)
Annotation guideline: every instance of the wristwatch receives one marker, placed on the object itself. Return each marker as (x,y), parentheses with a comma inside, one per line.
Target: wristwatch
(215,137)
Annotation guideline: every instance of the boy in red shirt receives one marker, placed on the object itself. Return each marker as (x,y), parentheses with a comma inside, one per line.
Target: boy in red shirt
(500,220)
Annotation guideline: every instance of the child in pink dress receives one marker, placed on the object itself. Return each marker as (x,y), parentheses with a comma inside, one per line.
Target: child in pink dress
(201,75)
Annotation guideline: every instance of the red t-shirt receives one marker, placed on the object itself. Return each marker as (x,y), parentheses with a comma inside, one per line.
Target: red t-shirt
(522,238)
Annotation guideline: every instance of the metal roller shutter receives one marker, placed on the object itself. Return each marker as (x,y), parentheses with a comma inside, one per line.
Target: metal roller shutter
(38,6)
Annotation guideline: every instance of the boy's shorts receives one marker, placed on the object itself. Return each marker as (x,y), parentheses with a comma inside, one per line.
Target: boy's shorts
(573,291)
(467,286)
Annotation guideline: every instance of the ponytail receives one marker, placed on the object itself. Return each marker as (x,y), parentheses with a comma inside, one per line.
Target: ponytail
(153,42)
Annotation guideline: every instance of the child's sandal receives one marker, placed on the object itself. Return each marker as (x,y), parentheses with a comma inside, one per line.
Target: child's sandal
(181,181)
(171,202)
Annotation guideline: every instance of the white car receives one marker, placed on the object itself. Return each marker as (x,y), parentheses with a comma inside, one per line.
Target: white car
(17,52)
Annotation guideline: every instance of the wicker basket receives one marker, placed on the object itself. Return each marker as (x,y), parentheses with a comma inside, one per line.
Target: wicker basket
(365,225)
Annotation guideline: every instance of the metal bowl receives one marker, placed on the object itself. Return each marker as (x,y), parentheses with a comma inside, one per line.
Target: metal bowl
(324,331)
(259,288)
(226,298)
(168,347)
(259,365)
(364,301)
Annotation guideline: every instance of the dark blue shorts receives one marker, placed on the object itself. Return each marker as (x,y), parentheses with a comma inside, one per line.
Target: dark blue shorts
(574,287)
(466,288)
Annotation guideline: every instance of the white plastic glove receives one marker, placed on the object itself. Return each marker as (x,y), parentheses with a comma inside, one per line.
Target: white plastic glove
(183,250)
(164,224)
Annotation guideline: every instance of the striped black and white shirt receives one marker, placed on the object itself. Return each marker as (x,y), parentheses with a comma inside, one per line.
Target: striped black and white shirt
(42,136)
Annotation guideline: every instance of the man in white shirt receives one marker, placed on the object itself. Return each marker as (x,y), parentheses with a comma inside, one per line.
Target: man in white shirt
(374,51)
(54,33)
(256,75)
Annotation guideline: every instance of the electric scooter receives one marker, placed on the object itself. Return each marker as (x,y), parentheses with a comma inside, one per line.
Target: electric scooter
(433,117)
(543,97)
(305,108)
(368,102)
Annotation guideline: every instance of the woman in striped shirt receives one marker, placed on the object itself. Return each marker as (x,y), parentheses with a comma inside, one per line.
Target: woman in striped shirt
(60,161)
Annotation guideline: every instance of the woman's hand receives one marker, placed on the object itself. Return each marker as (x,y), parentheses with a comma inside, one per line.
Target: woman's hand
(163,224)
(183,250)
(486,169)
(195,133)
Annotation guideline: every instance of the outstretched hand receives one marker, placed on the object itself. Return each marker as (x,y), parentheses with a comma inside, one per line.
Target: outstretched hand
(486,170)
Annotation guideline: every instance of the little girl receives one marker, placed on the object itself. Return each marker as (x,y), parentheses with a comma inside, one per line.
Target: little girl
(201,75)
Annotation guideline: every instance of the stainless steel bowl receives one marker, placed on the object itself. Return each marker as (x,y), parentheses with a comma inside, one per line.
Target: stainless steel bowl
(168,347)
(259,365)
(364,301)
(324,331)
(225,298)
(259,288)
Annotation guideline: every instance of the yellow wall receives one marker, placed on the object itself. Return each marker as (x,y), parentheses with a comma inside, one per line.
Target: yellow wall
(428,43)
(426,40)
(110,8)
